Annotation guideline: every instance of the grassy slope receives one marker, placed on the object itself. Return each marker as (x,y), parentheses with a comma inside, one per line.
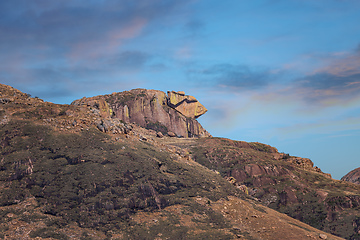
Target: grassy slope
(320,201)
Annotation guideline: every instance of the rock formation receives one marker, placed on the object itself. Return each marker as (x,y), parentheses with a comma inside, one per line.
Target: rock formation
(152,109)
(353,176)
(185,104)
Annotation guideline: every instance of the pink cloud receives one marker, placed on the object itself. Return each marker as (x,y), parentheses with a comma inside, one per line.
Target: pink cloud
(345,65)
(106,44)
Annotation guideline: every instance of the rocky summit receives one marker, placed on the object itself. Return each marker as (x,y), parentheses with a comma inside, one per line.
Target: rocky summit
(173,114)
(115,167)
(353,176)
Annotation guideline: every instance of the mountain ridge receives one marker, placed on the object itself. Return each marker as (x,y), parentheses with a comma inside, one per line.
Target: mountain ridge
(76,170)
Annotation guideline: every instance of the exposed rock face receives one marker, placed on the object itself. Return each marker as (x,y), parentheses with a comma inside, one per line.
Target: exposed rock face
(185,104)
(152,109)
(353,176)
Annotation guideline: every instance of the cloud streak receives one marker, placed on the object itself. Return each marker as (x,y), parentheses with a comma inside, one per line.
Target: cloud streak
(233,77)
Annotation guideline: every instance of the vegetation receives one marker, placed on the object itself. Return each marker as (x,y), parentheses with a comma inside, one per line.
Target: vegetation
(85,179)
(283,186)
(158,127)
(62,178)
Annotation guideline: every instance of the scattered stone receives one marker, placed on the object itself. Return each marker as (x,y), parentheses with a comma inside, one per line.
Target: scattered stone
(322,236)
(159,135)
(107,125)
(171,134)
(128,129)
(4,100)
(100,127)
(142,138)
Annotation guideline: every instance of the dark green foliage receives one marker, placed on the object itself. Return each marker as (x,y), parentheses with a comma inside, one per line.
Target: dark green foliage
(13,194)
(157,126)
(171,229)
(48,233)
(85,236)
(120,99)
(216,219)
(261,147)
(31,218)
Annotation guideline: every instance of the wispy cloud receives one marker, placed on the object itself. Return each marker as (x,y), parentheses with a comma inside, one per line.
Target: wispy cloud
(233,77)
(330,127)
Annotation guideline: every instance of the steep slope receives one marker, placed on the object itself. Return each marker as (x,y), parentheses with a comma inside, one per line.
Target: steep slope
(71,172)
(353,176)
(291,185)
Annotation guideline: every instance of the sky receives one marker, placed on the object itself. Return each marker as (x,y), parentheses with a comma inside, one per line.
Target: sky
(280,72)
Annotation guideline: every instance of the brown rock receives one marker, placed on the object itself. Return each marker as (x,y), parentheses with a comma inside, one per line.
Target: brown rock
(147,108)
(185,104)
(159,135)
(96,103)
(353,176)
(171,134)
(322,236)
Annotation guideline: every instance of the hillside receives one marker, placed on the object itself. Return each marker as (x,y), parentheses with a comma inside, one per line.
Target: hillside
(79,172)
(353,176)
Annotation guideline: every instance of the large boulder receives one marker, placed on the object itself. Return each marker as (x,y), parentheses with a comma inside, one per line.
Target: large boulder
(185,104)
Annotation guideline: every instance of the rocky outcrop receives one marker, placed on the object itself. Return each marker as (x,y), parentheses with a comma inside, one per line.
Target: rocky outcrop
(185,104)
(353,176)
(152,109)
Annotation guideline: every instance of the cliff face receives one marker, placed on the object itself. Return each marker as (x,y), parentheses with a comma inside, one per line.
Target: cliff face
(353,176)
(152,109)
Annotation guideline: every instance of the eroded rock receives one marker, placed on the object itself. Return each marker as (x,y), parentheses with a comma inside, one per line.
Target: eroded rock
(187,105)
(151,109)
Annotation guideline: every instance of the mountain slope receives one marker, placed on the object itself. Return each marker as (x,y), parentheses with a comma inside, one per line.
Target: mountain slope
(68,172)
(288,184)
(353,176)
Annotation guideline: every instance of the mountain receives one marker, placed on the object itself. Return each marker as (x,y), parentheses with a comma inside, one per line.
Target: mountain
(353,176)
(89,171)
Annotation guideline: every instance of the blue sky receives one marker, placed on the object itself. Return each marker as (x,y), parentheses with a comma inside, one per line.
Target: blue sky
(280,72)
